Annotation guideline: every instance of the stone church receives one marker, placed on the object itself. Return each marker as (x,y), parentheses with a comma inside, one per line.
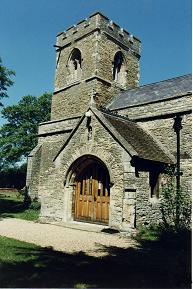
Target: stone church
(101,157)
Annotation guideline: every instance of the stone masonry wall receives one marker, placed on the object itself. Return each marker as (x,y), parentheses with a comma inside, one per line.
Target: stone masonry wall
(163,130)
(52,135)
(158,108)
(33,169)
(50,146)
(103,146)
(161,125)
(147,208)
(87,49)
(98,42)
(73,101)
(105,56)
(56,127)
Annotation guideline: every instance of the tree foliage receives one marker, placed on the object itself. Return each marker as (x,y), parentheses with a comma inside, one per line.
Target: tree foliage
(19,135)
(13,177)
(5,80)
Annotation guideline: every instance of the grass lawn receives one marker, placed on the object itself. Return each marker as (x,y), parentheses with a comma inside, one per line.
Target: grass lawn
(15,257)
(154,264)
(11,206)
(25,265)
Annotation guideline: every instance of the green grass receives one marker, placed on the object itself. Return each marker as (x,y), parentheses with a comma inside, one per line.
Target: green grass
(23,264)
(15,259)
(155,262)
(147,234)
(11,206)
(167,237)
(9,252)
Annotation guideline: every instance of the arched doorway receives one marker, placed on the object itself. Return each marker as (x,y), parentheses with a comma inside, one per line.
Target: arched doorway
(92,193)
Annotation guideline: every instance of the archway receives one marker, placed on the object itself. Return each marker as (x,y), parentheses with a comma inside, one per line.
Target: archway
(119,69)
(92,192)
(74,65)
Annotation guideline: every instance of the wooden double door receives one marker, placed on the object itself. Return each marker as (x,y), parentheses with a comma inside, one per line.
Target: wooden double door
(92,195)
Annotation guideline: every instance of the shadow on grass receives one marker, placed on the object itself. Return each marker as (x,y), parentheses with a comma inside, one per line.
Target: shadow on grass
(9,207)
(151,265)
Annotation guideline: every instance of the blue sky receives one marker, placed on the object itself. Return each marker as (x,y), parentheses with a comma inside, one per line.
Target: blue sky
(29,28)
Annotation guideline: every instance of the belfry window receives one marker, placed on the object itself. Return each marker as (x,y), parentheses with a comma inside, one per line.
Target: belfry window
(119,72)
(74,66)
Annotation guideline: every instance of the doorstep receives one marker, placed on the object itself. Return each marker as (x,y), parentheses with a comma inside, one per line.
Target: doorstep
(82,226)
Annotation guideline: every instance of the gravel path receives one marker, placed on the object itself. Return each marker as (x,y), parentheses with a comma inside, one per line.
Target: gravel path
(62,238)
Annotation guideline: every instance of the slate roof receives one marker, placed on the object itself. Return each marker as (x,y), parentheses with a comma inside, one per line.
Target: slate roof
(145,145)
(152,92)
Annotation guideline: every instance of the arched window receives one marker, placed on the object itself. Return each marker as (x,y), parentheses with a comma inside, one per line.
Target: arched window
(74,65)
(119,71)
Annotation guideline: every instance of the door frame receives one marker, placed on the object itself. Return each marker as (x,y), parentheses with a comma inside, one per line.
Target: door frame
(74,168)
(92,194)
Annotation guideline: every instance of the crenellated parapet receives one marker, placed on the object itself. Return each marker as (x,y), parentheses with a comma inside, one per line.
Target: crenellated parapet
(96,53)
(98,22)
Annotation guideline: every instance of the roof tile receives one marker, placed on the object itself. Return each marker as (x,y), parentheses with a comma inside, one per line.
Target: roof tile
(142,142)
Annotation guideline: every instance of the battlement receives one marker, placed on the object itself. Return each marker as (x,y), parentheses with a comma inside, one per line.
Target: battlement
(98,22)
(96,53)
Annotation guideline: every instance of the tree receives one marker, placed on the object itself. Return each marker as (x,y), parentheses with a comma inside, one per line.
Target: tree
(13,177)
(5,80)
(19,135)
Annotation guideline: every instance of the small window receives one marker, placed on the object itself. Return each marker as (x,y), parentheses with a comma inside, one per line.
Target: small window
(74,66)
(119,72)
(154,181)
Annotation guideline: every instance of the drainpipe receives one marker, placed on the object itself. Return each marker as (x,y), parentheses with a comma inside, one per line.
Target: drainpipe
(177,127)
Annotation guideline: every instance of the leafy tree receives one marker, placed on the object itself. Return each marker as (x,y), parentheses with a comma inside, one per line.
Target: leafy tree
(13,177)
(5,80)
(19,135)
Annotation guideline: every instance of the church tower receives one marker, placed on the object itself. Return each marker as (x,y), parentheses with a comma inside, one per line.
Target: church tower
(94,55)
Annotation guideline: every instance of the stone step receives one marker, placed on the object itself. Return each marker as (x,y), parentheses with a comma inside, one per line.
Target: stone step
(84,226)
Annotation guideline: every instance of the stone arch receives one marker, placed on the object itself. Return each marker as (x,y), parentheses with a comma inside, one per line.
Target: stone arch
(77,165)
(119,68)
(74,65)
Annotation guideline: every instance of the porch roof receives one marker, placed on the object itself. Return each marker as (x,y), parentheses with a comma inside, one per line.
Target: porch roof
(144,144)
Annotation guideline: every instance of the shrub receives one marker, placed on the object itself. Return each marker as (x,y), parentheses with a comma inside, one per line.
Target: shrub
(168,205)
(35,205)
(147,233)
(13,177)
